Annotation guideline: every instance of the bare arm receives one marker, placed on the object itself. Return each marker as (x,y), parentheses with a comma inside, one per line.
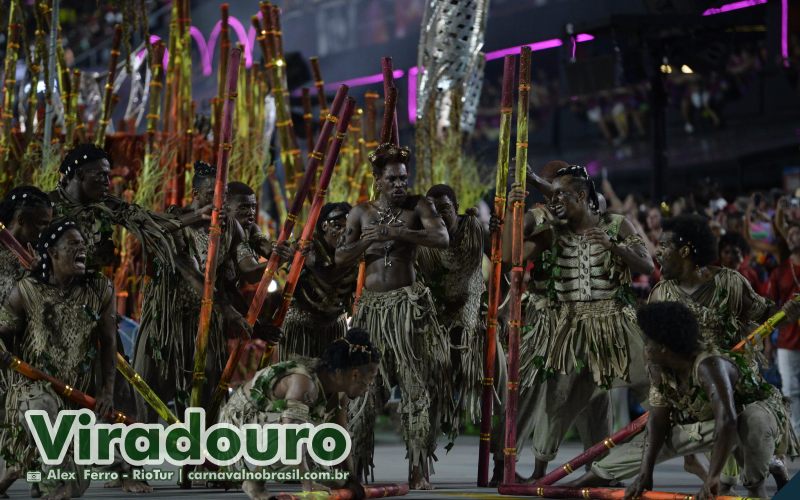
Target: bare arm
(353,245)
(718,376)
(107,335)
(635,256)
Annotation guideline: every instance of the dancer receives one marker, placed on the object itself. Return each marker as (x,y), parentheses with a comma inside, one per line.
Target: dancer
(588,257)
(164,353)
(25,212)
(401,312)
(306,390)
(724,306)
(702,400)
(82,195)
(324,294)
(67,321)
(455,278)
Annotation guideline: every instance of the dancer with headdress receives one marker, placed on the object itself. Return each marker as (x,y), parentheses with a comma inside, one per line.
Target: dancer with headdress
(400,311)
(65,318)
(324,294)
(588,257)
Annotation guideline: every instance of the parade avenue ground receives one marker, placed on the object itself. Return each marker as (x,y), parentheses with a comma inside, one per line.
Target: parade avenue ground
(454,478)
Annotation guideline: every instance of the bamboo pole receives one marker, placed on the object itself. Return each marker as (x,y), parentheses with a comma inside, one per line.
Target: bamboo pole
(314,159)
(496,274)
(371,491)
(154,106)
(51,66)
(100,133)
(11,243)
(66,391)
(201,344)
(517,270)
(595,493)
(319,83)
(308,117)
(388,81)
(12,54)
(639,424)
(331,156)
(76,131)
(26,260)
(224,50)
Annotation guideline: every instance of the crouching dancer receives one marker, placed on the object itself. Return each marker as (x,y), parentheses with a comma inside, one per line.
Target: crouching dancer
(703,399)
(306,390)
(61,313)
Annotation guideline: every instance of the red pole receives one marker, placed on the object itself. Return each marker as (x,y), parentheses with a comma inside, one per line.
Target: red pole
(533,490)
(14,246)
(490,349)
(319,199)
(372,491)
(517,270)
(215,230)
(314,159)
(388,82)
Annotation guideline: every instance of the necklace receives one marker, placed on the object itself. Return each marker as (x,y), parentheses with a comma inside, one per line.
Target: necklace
(386,217)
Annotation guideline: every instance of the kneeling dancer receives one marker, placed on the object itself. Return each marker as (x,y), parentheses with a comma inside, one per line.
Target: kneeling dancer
(306,390)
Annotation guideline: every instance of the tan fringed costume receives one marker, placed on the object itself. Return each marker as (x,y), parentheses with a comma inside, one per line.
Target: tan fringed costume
(455,279)
(404,326)
(318,314)
(763,423)
(59,339)
(589,313)
(164,353)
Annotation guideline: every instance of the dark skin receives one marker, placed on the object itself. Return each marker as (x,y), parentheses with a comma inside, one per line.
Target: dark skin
(331,233)
(571,207)
(718,377)
(417,224)
(28,222)
(189,268)
(244,208)
(351,382)
(676,264)
(68,256)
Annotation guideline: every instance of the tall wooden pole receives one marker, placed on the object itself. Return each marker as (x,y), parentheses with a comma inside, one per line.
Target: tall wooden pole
(314,159)
(517,270)
(223,155)
(108,106)
(306,239)
(496,274)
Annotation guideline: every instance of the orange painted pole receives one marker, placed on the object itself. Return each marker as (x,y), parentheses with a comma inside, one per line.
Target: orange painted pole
(490,349)
(314,159)
(331,156)
(517,270)
(639,424)
(214,232)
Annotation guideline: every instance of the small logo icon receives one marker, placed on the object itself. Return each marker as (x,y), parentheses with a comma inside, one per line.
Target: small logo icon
(33,476)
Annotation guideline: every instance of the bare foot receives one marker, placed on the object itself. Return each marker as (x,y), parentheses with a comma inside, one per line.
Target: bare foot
(255,490)
(135,486)
(418,481)
(35,491)
(115,483)
(8,479)
(692,465)
(61,493)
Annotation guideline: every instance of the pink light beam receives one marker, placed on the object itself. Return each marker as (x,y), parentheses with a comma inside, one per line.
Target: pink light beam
(743,4)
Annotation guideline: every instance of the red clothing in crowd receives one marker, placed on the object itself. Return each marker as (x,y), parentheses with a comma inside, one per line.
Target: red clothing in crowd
(781,287)
(751,275)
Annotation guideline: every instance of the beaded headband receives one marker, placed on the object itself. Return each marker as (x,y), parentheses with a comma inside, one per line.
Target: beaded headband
(355,347)
(47,238)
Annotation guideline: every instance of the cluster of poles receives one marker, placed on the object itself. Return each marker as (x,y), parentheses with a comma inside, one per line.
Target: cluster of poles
(336,145)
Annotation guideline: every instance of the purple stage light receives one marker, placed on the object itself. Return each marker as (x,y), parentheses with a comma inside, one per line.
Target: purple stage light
(743,4)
